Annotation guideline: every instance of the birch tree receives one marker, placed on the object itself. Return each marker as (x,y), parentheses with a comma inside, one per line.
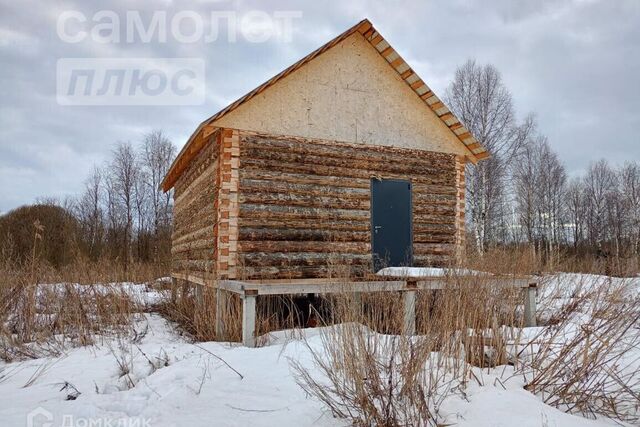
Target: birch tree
(156,156)
(90,213)
(480,99)
(123,175)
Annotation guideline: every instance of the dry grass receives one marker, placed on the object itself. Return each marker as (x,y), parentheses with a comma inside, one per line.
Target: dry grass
(525,260)
(40,319)
(194,311)
(196,314)
(371,373)
(366,369)
(584,361)
(44,310)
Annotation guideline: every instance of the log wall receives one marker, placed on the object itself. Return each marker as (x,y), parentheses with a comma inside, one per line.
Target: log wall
(194,239)
(304,205)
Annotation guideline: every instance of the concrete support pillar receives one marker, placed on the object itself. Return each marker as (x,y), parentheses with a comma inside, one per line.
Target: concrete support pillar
(249,320)
(409,327)
(184,290)
(530,305)
(220,305)
(174,290)
(357,305)
(199,291)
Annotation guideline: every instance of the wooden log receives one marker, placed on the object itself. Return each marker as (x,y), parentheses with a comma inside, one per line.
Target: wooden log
(273,186)
(276,223)
(201,254)
(302,178)
(433,249)
(262,259)
(341,150)
(335,248)
(380,164)
(427,218)
(321,234)
(431,260)
(295,212)
(178,238)
(193,265)
(432,209)
(427,228)
(204,196)
(304,200)
(438,199)
(193,245)
(206,178)
(434,238)
(421,188)
(345,172)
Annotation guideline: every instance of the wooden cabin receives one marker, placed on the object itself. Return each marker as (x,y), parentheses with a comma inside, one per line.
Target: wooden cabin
(343,163)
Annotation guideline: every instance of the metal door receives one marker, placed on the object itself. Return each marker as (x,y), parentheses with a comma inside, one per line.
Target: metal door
(391,223)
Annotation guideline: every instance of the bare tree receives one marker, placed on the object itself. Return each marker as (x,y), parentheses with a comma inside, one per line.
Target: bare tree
(599,181)
(90,213)
(157,154)
(143,211)
(524,186)
(480,99)
(630,183)
(552,180)
(539,180)
(576,210)
(123,174)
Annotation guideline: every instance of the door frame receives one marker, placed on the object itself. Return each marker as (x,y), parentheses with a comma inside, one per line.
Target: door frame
(372,225)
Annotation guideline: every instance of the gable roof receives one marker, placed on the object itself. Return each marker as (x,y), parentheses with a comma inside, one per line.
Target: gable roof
(198,138)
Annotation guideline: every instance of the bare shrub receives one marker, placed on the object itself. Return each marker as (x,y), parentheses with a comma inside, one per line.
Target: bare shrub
(39,319)
(366,370)
(583,362)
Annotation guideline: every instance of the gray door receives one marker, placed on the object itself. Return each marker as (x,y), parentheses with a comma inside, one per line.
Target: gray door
(391,223)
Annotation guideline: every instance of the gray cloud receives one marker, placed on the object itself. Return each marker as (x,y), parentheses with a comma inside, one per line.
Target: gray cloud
(573,63)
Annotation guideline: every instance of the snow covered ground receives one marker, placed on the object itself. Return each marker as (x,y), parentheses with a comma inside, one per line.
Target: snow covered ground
(170,381)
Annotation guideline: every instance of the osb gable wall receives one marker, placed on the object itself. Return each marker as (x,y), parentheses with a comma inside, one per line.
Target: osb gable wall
(351,94)
(194,238)
(304,205)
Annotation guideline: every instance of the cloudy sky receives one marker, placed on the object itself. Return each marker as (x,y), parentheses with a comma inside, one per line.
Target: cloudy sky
(574,63)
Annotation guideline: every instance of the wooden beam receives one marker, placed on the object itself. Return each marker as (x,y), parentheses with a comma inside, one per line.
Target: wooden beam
(406,74)
(377,39)
(364,27)
(447,116)
(397,62)
(287,287)
(388,51)
(428,94)
(418,83)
